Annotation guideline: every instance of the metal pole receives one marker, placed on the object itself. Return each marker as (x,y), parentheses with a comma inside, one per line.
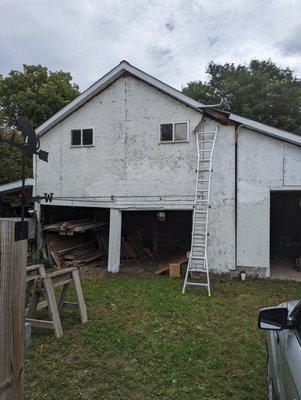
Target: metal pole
(23,191)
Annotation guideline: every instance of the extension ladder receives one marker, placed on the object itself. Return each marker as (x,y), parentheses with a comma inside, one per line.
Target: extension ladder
(198,263)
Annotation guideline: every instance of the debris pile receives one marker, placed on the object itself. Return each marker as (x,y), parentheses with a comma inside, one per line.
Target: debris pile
(82,242)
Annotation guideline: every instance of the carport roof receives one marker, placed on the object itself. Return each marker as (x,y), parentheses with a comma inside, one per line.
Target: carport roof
(16,185)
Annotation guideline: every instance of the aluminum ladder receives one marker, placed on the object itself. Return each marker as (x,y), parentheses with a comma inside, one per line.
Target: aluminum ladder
(198,263)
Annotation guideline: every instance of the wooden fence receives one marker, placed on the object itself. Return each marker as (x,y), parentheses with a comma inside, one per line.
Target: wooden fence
(12,297)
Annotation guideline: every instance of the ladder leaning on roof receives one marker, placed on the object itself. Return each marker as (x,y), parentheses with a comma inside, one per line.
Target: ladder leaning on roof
(198,262)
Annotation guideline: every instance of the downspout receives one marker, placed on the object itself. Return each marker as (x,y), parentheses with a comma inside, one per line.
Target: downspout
(236,188)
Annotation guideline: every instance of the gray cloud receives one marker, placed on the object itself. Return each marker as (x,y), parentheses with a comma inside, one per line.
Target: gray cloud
(291,46)
(172,40)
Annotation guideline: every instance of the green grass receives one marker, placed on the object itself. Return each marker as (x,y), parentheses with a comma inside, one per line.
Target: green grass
(144,340)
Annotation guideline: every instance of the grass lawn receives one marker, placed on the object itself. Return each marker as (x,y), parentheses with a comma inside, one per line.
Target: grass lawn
(144,340)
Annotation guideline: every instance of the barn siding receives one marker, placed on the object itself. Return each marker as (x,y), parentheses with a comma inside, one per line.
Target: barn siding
(264,164)
(128,163)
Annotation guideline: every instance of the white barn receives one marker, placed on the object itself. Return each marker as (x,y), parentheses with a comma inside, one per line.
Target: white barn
(126,147)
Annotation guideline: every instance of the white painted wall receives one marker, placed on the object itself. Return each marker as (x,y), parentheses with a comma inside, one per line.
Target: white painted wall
(264,164)
(128,162)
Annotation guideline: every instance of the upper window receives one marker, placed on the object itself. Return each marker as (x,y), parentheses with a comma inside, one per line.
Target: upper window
(175,132)
(82,137)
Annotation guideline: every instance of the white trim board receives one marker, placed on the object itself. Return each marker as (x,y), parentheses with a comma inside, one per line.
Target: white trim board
(16,185)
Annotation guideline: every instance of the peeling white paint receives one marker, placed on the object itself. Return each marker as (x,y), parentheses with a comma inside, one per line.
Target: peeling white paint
(264,165)
(128,169)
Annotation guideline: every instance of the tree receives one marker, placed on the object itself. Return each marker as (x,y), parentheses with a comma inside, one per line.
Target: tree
(35,93)
(261,91)
(10,161)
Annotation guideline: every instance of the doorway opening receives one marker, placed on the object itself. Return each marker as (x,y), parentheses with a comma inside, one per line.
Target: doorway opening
(285,235)
(166,234)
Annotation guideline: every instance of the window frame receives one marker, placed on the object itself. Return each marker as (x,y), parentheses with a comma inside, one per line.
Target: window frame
(173,132)
(81,137)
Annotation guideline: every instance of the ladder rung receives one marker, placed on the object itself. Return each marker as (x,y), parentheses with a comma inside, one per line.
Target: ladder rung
(203,180)
(197,223)
(204,159)
(206,133)
(198,258)
(197,284)
(204,170)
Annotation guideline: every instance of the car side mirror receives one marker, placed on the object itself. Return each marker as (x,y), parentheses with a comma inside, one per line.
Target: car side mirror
(273,319)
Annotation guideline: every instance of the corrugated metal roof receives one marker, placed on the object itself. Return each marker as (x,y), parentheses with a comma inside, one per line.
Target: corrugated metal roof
(16,185)
(266,129)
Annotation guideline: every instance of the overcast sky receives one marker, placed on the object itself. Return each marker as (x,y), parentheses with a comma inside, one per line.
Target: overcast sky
(171,39)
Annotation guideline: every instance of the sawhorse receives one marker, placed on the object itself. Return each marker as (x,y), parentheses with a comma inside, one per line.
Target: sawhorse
(39,283)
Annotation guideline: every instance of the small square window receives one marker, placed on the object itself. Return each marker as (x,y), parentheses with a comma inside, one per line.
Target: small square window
(87,137)
(166,132)
(180,131)
(76,137)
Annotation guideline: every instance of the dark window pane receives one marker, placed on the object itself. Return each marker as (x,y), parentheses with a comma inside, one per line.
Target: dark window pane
(181,131)
(166,132)
(87,136)
(76,137)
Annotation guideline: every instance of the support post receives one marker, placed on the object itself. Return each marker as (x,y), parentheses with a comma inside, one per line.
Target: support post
(38,232)
(114,240)
(13,257)
(155,235)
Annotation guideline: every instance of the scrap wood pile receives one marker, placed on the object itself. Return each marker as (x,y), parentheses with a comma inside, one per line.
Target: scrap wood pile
(172,265)
(68,248)
(71,227)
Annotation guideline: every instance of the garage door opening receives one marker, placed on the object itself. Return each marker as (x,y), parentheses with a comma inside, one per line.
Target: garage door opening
(166,234)
(75,236)
(285,236)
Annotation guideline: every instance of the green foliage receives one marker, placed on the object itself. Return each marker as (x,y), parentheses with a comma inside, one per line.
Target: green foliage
(10,162)
(35,93)
(261,91)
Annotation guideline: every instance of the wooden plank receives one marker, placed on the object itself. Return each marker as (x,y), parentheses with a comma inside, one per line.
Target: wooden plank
(71,304)
(40,323)
(12,311)
(76,247)
(80,298)
(164,267)
(175,270)
(63,296)
(53,309)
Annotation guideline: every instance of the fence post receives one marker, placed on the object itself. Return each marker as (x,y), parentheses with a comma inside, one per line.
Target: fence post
(13,257)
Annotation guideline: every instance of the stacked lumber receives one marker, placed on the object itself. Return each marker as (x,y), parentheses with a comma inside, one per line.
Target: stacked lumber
(68,248)
(73,254)
(70,227)
(132,247)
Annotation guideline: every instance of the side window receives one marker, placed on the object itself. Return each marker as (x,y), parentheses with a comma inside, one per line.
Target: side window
(87,137)
(174,132)
(181,131)
(82,137)
(76,137)
(166,132)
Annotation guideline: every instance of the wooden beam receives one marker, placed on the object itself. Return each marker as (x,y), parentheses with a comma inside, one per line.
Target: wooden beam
(13,257)
(114,240)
